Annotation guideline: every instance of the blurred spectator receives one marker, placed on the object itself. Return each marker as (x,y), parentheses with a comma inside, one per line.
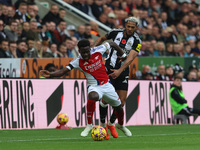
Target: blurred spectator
(192,76)
(169,49)
(21,48)
(130,5)
(196,50)
(177,49)
(89,4)
(145,69)
(12,52)
(81,5)
(48,34)
(53,35)
(94,29)
(187,51)
(160,74)
(59,32)
(182,32)
(4,15)
(193,68)
(75,51)
(164,24)
(61,15)
(21,13)
(11,33)
(30,13)
(69,46)
(41,30)
(179,71)
(54,51)
(148,76)
(88,29)
(32,32)
(169,72)
(38,47)
(63,50)
(11,13)
(103,18)
(52,15)
(111,22)
(3,48)
(36,10)
(160,51)
(115,5)
(97,8)
(25,29)
(2,33)
(46,52)
(79,34)
(32,52)
(71,29)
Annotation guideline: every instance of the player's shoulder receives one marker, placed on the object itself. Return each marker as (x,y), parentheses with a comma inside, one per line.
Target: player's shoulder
(97,48)
(116,30)
(136,36)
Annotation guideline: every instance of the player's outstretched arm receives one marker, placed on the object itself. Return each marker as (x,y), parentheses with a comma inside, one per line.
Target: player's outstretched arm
(130,58)
(57,73)
(119,50)
(99,41)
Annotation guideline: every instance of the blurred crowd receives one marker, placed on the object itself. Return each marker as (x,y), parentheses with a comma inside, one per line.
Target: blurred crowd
(167,73)
(167,27)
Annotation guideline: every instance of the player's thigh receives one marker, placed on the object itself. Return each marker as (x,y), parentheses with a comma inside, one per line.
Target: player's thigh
(122,95)
(110,96)
(95,89)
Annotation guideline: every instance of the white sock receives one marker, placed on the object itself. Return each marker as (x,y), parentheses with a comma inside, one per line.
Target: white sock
(103,105)
(103,124)
(89,125)
(110,124)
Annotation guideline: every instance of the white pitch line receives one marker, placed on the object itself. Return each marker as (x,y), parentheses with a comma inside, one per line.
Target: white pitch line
(31,140)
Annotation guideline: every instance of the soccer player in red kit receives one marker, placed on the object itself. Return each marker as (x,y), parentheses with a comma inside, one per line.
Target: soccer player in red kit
(90,62)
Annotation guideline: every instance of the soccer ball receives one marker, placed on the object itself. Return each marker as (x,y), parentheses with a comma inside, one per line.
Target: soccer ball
(62,118)
(98,133)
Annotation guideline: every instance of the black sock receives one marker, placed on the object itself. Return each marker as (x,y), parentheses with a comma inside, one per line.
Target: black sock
(113,117)
(103,113)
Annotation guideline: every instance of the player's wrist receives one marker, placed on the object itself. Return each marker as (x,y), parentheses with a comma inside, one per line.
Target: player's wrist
(124,55)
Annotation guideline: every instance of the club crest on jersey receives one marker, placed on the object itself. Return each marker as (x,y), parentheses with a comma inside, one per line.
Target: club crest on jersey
(96,57)
(129,43)
(85,63)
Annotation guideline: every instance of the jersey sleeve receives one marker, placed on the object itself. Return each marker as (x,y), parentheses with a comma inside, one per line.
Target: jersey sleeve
(111,34)
(102,48)
(73,64)
(137,44)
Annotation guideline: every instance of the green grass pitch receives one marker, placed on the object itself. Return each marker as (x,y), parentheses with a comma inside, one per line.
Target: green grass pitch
(155,137)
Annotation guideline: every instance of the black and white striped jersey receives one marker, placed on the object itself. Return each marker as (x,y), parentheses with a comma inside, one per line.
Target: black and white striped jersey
(127,44)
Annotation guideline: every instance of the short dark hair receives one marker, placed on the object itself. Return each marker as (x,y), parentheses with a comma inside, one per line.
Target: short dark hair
(49,65)
(83,43)
(177,77)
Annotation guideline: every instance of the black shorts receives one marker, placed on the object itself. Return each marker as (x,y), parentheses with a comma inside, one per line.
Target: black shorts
(120,83)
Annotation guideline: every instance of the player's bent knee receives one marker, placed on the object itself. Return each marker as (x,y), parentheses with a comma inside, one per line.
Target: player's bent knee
(93,96)
(118,108)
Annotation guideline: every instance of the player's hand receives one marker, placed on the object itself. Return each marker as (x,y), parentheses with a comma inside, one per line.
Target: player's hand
(115,73)
(45,73)
(121,58)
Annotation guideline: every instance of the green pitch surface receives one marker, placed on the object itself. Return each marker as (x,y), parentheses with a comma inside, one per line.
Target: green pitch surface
(171,137)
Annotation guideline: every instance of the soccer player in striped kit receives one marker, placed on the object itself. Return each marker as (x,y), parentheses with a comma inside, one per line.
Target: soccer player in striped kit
(118,71)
